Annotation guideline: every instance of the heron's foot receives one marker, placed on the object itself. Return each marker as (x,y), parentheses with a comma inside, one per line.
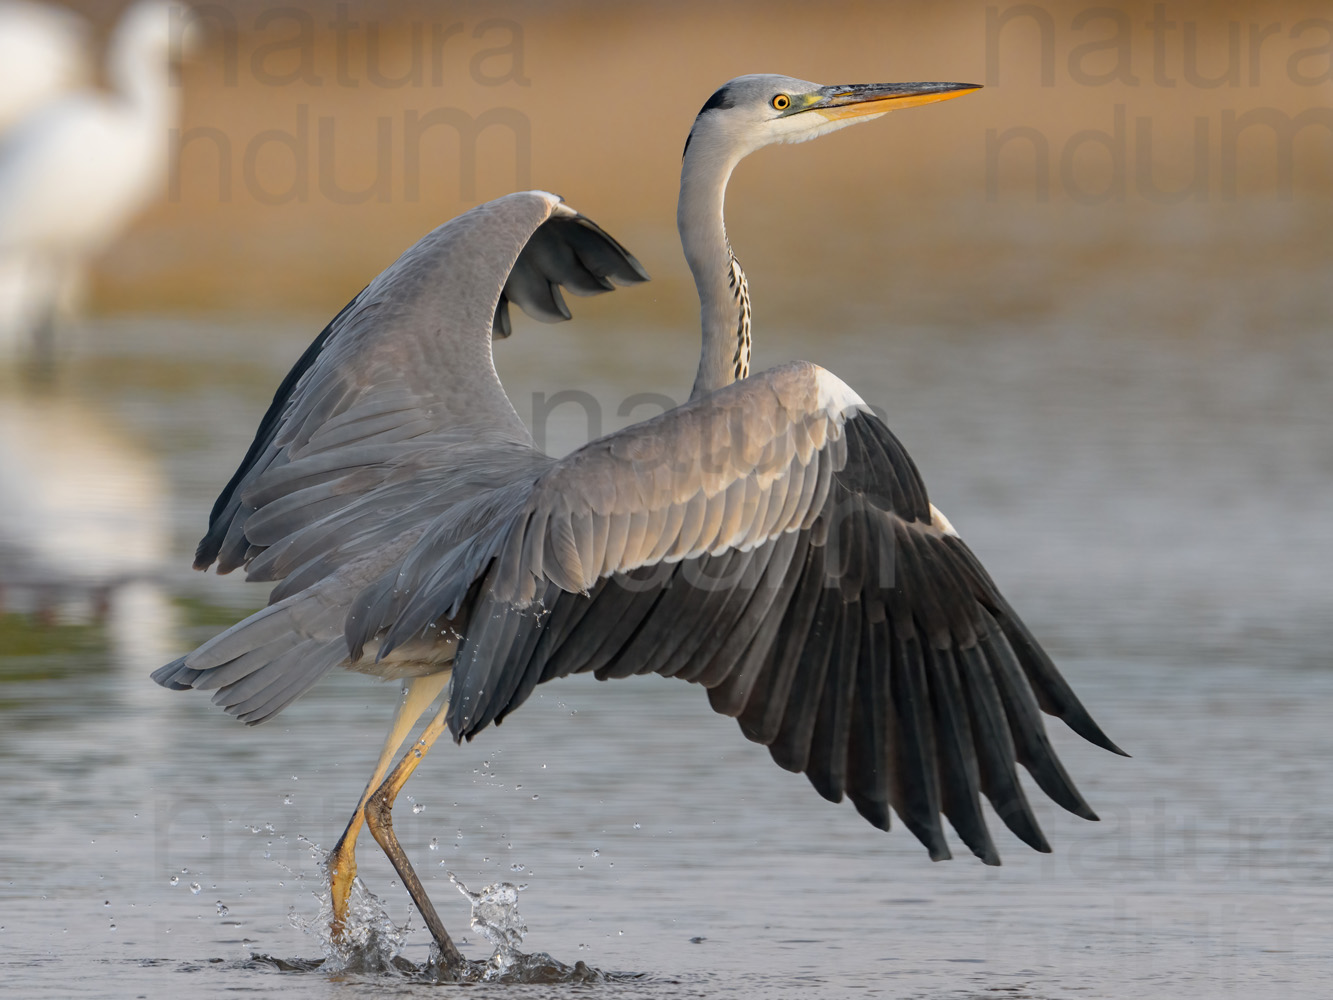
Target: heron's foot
(341,868)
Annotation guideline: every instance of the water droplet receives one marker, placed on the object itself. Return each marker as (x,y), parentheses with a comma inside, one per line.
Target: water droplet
(580,868)
(107,903)
(418,808)
(515,867)
(196,888)
(222,909)
(434,843)
(596,853)
(286,800)
(518,788)
(113,925)
(535,798)
(636,826)
(175,880)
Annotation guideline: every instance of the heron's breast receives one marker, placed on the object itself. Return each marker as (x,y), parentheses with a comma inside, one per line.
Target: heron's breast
(411,659)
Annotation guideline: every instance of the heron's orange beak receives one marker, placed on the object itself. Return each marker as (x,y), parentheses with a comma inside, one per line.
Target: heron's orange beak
(858,99)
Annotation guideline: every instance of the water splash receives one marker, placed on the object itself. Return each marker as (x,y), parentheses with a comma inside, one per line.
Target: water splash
(495,917)
(371,943)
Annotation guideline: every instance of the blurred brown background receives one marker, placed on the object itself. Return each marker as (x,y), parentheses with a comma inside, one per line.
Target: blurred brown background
(1170,162)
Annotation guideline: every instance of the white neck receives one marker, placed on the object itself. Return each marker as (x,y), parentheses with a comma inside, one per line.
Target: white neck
(724,309)
(141,76)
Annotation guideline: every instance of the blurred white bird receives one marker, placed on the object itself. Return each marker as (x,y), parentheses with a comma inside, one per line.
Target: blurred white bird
(43,54)
(74,173)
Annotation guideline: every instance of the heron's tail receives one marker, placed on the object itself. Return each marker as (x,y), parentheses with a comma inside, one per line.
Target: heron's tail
(262,664)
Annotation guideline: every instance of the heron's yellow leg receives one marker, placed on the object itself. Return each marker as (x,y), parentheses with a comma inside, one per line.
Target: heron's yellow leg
(418,694)
(379,817)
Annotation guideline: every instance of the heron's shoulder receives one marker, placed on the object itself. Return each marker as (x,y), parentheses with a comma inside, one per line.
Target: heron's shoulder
(801,387)
(724,432)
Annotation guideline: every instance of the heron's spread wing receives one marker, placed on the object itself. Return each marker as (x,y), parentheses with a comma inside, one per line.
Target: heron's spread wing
(401,373)
(774,543)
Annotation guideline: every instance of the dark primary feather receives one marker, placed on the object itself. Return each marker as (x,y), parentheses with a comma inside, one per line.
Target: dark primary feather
(571,252)
(224,508)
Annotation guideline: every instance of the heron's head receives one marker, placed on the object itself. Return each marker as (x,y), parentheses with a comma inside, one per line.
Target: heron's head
(751,112)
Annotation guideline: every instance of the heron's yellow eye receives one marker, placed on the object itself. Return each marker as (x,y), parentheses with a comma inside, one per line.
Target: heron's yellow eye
(782,102)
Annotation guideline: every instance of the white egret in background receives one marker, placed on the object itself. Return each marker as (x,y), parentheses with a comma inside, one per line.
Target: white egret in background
(43,54)
(74,173)
(769,540)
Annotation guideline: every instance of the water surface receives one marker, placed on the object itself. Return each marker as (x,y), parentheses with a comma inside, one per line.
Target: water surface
(1155,508)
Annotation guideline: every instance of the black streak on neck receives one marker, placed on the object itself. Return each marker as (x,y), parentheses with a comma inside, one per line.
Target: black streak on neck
(720,101)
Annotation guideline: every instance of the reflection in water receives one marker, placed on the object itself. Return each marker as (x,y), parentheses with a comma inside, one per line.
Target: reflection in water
(83,527)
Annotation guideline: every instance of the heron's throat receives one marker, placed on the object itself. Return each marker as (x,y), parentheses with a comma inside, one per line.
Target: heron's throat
(740,360)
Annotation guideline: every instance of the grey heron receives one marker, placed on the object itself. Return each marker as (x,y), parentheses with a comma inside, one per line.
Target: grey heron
(770,539)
